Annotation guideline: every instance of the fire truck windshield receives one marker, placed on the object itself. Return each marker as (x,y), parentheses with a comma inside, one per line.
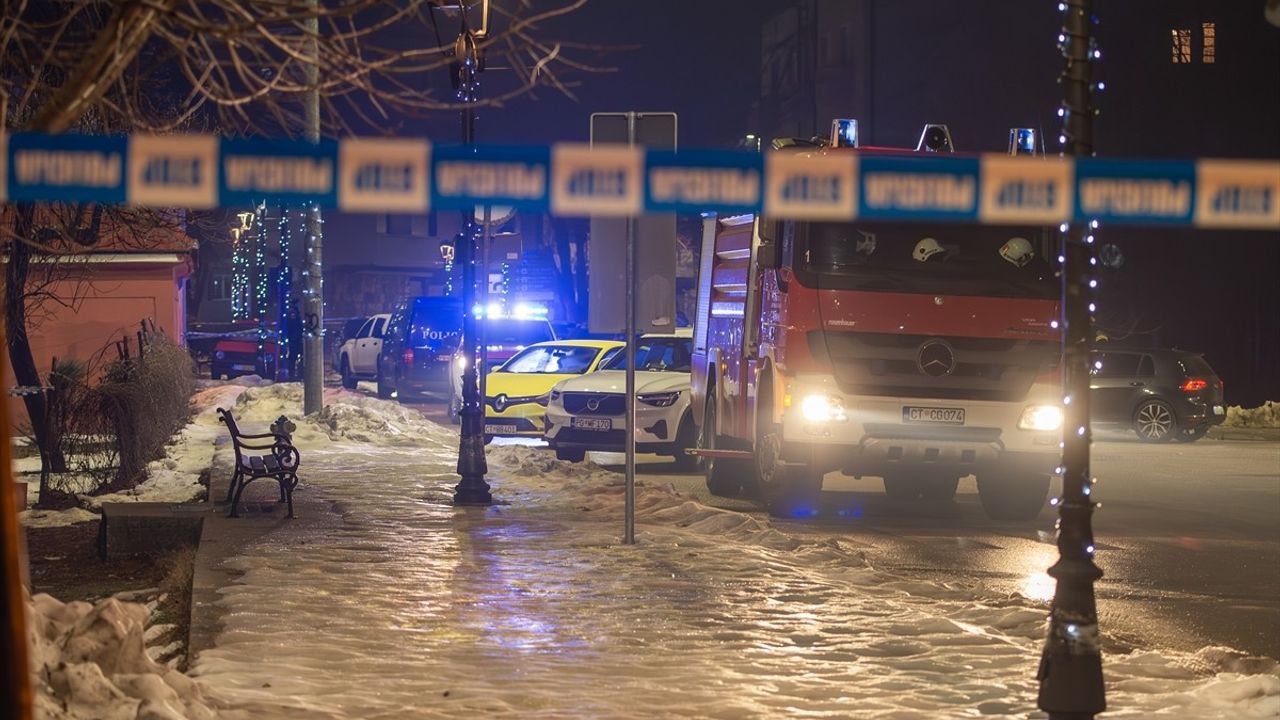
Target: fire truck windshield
(934,258)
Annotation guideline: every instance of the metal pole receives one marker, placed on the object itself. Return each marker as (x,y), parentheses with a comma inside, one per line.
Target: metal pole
(484,303)
(313,279)
(629,510)
(472,488)
(1070,674)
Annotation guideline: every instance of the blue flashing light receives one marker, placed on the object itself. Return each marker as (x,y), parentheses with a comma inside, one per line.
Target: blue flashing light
(844,133)
(1022,141)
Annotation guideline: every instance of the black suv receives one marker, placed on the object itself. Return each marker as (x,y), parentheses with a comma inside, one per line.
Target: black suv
(418,347)
(1161,394)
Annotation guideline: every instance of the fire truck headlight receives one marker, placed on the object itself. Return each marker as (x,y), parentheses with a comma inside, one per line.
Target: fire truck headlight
(1041,417)
(820,408)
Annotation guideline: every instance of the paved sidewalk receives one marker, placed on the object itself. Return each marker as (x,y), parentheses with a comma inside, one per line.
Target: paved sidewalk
(381,600)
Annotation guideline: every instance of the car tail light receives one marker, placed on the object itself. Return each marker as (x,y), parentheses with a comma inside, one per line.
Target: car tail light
(1194,385)
(408,356)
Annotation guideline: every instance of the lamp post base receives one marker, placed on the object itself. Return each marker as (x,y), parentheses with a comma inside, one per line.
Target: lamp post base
(472,489)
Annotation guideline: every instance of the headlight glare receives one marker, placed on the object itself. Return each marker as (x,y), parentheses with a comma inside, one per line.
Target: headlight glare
(1041,417)
(820,408)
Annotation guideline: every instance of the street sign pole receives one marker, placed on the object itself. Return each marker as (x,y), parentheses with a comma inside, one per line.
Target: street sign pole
(1070,674)
(629,511)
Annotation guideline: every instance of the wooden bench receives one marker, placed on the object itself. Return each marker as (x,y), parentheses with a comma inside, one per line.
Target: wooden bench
(279,462)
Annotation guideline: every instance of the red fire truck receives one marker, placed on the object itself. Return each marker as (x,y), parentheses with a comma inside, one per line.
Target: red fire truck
(916,352)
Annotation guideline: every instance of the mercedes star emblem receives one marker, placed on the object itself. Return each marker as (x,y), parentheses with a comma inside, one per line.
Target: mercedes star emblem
(936,358)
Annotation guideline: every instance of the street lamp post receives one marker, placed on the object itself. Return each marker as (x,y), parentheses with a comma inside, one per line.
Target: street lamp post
(472,488)
(1070,675)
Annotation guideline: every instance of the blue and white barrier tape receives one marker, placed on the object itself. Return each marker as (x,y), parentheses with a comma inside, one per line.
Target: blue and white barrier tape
(413,175)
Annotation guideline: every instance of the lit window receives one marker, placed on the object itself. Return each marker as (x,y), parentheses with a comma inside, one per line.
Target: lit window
(1181,46)
(1210,34)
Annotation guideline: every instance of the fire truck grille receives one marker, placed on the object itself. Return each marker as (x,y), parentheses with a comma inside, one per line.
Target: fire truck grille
(890,365)
(595,403)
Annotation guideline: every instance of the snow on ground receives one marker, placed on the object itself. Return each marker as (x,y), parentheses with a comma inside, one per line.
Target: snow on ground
(173,478)
(1266,415)
(408,607)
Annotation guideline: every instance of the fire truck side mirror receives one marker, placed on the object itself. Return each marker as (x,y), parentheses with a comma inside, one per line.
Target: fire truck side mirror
(768,248)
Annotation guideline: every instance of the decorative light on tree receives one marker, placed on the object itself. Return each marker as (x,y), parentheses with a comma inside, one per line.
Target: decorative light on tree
(260,272)
(261,283)
(240,267)
(284,293)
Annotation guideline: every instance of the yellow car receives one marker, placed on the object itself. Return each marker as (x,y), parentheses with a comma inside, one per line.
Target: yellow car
(516,393)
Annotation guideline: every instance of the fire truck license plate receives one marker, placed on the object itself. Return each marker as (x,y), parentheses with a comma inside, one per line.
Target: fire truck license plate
(592,423)
(934,415)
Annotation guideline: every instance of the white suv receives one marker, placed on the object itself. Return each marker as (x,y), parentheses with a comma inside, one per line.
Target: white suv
(589,412)
(358,356)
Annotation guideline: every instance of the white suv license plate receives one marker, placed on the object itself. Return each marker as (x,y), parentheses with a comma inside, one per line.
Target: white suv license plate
(932,415)
(500,429)
(1217,410)
(591,423)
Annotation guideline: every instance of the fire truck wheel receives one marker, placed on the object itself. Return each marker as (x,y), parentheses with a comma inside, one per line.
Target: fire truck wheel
(724,477)
(1010,496)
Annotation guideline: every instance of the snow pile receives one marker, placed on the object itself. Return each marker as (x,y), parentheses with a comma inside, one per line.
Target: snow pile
(345,417)
(1265,416)
(174,478)
(90,662)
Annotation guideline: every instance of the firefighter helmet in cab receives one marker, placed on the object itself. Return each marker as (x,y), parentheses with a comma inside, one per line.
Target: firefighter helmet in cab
(1018,251)
(925,249)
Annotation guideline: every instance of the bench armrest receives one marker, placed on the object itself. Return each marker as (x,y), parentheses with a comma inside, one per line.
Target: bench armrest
(255,446)
(260,435)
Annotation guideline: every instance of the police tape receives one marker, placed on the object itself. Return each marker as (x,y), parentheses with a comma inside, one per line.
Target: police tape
(407,175)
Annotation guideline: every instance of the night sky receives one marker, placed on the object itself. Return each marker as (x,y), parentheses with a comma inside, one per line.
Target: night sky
(1218,293)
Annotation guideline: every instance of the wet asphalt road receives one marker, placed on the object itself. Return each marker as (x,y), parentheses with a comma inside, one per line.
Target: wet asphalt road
(1188,537)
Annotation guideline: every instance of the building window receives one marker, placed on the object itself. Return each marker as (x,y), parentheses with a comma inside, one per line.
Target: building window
(220,287)
(1209,51)
(1181,46)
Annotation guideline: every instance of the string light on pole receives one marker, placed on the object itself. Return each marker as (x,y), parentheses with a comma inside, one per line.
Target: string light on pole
(284,287)
(312,330)
(1070,673)
(261,282)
